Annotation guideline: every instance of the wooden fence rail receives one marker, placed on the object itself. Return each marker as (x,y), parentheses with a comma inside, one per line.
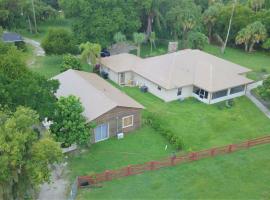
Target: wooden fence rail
(170,161)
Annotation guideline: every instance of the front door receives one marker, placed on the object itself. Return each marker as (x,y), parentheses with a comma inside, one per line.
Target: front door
(101,132)
(122,78)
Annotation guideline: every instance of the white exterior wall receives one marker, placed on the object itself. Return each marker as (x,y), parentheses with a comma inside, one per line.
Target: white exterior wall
(112,74)
(129,78)
(229,96)
(166,95)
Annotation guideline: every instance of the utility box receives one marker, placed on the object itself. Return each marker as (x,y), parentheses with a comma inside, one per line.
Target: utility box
(120,136)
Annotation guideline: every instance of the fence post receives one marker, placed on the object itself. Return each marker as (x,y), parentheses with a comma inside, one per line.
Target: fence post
(230,148)
(193,156)
(78,182)
(212,152)
(107,175)
(172,160)
(248,144)
(152,165)
(128,170)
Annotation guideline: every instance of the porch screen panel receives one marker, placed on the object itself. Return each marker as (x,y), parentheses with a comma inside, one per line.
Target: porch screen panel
(219,94)
(237,89)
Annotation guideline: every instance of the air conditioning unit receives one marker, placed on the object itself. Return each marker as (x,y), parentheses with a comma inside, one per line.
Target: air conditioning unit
(120,136)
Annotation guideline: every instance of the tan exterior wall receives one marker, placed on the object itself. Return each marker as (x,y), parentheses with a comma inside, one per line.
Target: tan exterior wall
(114,119)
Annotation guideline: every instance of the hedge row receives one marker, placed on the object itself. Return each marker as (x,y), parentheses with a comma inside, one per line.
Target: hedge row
(155,122)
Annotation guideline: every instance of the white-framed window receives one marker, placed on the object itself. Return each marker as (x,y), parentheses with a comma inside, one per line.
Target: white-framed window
(127,121)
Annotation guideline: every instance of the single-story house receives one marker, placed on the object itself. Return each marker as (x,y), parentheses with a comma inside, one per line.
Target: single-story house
(179,75)
(11,37)
(112,111)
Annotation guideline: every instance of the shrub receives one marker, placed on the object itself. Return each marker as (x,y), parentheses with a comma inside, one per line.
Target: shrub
(59,41)
(155,122)
(71,62)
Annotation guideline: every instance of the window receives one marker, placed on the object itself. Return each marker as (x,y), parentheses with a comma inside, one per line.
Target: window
(200,92)
(101,132)
(127,121)
(219,94)
(179,92)
(159,88)
(237,89)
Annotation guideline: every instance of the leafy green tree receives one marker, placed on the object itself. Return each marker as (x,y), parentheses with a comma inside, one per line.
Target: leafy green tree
(139,38)
(197,40)
(70,62)
(264,90)
(69,125)
(151,9)
(119,37)
(90,52)
(152,39)
(25,158)
(59,41)
(266,44)
(252,34)
(98,21)
(20,86)
(183,17)
(256,5)
(210,17)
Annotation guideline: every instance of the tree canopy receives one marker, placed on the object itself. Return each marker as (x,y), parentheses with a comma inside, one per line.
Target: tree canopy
(21,87)
(25,158)
(69,125)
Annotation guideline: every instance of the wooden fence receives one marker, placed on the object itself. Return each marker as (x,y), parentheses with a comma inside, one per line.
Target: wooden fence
(170,161)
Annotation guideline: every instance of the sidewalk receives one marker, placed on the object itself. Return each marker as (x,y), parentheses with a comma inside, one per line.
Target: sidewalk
(264,109)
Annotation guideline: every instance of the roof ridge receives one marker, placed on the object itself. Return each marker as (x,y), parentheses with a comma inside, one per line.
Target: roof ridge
(77,72)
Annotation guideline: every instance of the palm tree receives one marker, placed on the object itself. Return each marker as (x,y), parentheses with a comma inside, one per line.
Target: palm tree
(152,11)
(119,37)
(90,52)
(139,38)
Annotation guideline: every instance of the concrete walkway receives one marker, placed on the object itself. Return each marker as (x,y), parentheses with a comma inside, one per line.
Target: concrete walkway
(39,51)
(57,189)
(264,109)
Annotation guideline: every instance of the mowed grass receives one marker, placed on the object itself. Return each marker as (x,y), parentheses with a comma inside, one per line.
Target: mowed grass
(203,126)
(141,146)
(240,175)
(50,66)
(259,62)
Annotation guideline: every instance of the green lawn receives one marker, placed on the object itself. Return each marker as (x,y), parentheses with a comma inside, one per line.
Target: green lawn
(50,66)
(139,147)
(259,62)
(241,175)
(202,126)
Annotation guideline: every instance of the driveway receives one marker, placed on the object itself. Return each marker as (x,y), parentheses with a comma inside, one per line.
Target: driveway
(252,86)
(39,51)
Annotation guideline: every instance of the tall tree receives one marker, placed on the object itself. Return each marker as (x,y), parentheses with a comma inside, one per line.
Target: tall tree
(139,38)
(151,9)
(119,37)
(256,5)
(183,17)
(229,27)
(25,158)
(20,86)
(210,17)
(152,40)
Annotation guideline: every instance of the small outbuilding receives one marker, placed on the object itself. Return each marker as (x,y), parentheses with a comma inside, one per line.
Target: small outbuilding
(112,110)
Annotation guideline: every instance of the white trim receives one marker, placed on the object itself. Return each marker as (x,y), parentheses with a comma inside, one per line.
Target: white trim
(108,125)
(132,117)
